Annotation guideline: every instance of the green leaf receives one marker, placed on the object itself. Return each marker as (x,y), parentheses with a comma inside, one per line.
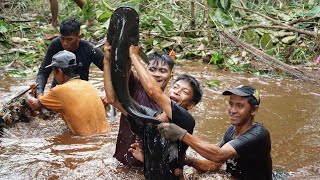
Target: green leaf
(103,15)
(266,41)
(214,83)
(3,29)
(225,4)
(251,37)
(288,39)
(222,17)
(167,21)
(314,11)
(162,30)
(214,3)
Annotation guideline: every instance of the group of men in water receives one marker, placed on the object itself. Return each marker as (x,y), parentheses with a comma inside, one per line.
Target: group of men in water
(245,147)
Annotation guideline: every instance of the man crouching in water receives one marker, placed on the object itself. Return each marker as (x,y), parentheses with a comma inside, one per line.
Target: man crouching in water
(76,100)
(184,95)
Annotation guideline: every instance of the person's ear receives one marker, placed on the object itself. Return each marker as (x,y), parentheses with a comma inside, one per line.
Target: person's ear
(255,110)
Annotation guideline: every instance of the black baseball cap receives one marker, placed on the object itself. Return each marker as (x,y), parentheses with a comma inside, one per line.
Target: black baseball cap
(244,91)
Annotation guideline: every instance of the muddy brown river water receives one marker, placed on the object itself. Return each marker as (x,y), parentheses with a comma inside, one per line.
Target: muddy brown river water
(44,149)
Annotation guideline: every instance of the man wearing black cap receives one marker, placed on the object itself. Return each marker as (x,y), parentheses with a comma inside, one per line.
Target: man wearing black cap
(246,144)
(76,100)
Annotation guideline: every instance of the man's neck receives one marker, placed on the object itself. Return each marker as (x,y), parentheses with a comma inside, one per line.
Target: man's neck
(241,129)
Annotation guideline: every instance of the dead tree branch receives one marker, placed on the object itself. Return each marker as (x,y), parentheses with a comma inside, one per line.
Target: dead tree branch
(288,28)
(262,15)
(303,20)
(269,60)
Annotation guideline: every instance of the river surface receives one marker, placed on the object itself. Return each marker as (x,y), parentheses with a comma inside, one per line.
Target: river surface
(45,149)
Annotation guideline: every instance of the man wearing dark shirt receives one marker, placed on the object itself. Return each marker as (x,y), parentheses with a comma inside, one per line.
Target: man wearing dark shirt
(160,67)
(246,144)
(70,40)
(184,95)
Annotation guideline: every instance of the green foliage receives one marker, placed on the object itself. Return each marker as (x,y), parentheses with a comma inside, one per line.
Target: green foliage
(87,11)
(167,25)
(214,83)
(217,59)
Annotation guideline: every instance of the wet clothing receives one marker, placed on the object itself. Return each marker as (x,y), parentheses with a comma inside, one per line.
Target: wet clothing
(125,136)
(158,163)
(253,148)
(80,107)
(85,55)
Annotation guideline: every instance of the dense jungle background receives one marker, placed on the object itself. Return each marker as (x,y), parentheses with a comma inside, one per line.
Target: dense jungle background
(273,38)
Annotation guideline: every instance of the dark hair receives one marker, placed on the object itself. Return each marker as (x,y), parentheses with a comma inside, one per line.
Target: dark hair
(162,57)
(195,85)
(69,71)
(70,27)
(252,101)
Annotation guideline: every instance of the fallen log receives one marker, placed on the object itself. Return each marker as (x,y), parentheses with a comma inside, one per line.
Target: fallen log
(269,60)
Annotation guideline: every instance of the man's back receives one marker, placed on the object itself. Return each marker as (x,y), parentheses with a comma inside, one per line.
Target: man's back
(79,105)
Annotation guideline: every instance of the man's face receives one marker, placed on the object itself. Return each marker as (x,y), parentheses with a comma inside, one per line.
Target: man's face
(160,72)
(240,111)
(181,93)
(70,43)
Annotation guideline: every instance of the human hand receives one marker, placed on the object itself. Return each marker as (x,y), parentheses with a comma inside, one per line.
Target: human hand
(40,94)
(106,50)
(136,151)
(171,131)
(134,50)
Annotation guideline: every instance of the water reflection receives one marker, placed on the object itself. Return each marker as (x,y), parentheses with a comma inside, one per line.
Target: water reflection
(46,150)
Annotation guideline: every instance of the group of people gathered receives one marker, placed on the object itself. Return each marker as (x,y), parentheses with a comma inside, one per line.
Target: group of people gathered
(245,147)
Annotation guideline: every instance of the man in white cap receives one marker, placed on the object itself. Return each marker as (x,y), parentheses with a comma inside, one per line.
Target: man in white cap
(246,144)
(76,100)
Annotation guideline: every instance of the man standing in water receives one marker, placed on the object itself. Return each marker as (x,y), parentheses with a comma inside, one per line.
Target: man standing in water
(76,100)
(70,40)
(160,67)
(184,95)
(246,144)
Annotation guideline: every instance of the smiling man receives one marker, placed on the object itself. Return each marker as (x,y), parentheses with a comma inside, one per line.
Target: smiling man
(246,144)
(184,95)
(70,40)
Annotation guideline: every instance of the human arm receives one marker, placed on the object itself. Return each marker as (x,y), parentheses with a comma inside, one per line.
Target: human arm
(209,151)
(44,73)
(149,83)
(98,58)
(32,102)
(202,165)
(108,87)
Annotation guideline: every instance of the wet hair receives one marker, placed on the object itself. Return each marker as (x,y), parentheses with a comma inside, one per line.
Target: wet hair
(252,101)
(195,85)
(160,56)
(70,27)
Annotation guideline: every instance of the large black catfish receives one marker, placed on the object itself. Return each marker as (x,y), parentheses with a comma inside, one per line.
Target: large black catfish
(122,33)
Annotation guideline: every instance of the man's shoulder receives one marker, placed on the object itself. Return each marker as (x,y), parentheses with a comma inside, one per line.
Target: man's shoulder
(85,43)
(260,129)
